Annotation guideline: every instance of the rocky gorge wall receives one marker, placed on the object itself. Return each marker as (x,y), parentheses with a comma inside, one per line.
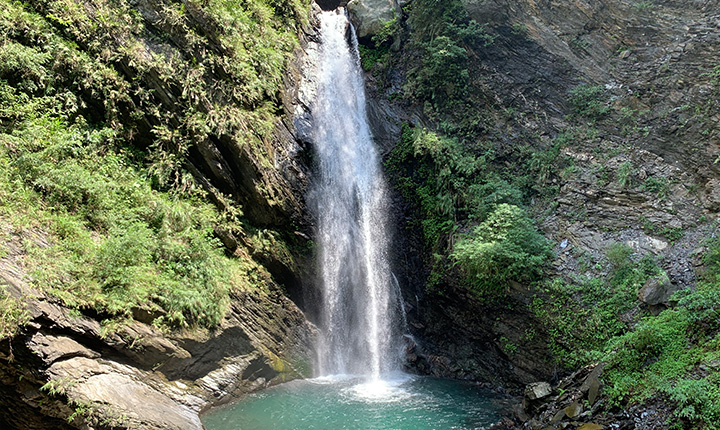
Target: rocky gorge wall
(641,174)
(218,122)
(637,174)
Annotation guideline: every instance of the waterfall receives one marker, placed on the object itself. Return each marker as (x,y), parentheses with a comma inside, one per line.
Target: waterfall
(359,334)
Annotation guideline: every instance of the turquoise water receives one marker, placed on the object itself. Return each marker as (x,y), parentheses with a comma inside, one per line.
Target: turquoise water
(335,403)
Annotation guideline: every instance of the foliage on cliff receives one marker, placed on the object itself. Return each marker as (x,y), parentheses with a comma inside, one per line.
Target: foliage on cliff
(510,118)
(454,175)
(675,354)
(503,248)
(455,188)
(101,107)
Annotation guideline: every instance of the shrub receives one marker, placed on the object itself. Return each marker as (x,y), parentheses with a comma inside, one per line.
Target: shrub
(624,174)
(484,197)
(443,33)
(443,75)
(372,55)
(126,224)
(503,248)
(659,186)
(585,315)
(674,354)
(12,314)
(589,101)
(619,254)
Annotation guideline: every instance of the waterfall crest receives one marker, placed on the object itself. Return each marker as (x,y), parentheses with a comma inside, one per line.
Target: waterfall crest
(358,330)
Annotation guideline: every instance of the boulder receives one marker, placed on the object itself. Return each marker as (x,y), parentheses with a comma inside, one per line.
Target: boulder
(573,410)
(369,16)
(537,390)
(656,291)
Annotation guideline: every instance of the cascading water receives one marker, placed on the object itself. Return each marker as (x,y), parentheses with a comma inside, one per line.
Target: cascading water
(362,316)
(359,334)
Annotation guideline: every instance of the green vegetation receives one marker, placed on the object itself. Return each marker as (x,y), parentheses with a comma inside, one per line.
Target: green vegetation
(624,174)
(520,29)
(459,183)
(473,176)
(116,244)
(645,5)
(378,51)
(670,233)
(12,314)
(675,354)
(584,315)
(98,113)
(659,186)
(589,102)
(454,188)
(444,37)
(438,173)
(503,248)
(371,56)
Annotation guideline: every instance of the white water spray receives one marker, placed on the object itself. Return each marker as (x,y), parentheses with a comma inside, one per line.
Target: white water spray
(359,333)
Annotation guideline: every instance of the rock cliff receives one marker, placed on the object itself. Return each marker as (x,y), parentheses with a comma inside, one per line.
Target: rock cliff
(636,173)
(185,95)
(65,369)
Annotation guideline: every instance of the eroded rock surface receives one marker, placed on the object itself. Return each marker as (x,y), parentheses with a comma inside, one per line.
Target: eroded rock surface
(65,364)
(647,181)
(70,369)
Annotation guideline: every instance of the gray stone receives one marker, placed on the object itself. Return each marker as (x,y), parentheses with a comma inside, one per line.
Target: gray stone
(573,410)
(657,291)
(369,16)
(53,348)
(135,403)
(590,426)
(537,390)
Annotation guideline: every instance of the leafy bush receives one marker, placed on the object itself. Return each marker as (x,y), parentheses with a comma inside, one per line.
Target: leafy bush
(370,56)
(584,316)
(436,172)
(444,33)
(619,254)
(589,101)
(624,174)
(378,48)
(659,186)
(12,314)
(443,76)
(118,244)
(129,229)
(674,354)
(503,248)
